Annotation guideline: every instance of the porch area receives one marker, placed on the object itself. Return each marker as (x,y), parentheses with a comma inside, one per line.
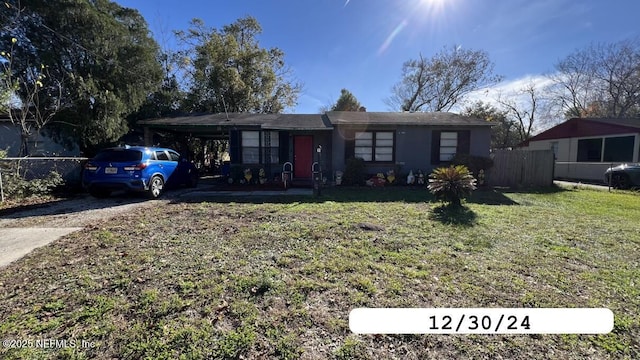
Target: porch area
(265,151)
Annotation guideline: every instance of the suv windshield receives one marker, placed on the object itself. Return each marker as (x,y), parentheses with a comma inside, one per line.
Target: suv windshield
(119,155)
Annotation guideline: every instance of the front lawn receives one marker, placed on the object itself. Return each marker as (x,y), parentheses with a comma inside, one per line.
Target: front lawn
(269,279)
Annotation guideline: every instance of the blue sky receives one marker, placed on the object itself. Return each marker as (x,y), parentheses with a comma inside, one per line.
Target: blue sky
(360,45)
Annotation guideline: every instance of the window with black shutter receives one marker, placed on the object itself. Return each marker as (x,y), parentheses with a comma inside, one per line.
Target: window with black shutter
(446,144)
(372,146)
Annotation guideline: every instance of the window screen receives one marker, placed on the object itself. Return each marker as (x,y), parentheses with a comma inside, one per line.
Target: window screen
(251,147)
(364,146)
(374,146)
(448,145)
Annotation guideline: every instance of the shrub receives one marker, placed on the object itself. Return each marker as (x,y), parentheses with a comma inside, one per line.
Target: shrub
(473,163)
(15,186)
(451,184)
(354,173)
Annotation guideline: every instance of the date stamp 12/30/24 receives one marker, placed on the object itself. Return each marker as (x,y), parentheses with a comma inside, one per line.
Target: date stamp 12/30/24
(481,321)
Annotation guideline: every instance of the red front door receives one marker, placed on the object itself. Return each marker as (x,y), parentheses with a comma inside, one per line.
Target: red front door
(302,156)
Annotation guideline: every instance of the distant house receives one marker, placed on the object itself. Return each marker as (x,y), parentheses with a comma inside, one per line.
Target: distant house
(405,141)
(586,147)
(39,144)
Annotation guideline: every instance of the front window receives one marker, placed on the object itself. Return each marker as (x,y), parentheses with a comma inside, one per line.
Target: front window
(374,146)
(251,147)
(364,146)
(448,145)
(255,142)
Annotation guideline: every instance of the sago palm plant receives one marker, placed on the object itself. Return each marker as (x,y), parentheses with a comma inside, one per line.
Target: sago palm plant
(451,184)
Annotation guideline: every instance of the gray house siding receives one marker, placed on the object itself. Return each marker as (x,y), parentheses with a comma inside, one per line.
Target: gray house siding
(338,151)
(413,147)
(481,141)
(9,139)
(325,140)
(285,149)
(38,144)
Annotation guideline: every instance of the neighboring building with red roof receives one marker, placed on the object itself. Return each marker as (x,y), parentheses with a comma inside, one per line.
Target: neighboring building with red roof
(586,147)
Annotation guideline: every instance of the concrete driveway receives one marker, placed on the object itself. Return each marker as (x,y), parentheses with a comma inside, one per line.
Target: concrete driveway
(18,242)
(23,231)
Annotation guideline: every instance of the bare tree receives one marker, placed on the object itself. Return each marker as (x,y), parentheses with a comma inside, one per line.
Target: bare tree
(37,96)
(574,85)
(600,80)
(439,83)
(528,108)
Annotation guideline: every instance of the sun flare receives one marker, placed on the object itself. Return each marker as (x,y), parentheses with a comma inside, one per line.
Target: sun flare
(435,6)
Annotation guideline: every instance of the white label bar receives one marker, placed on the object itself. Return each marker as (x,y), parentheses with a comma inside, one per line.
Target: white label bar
(481,321)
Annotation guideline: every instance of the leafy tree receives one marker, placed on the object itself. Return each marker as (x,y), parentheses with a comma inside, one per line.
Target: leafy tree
(504,134)
(439,83)
(347,102)
(167,99)
(601,80)
(101,54)
(229,71)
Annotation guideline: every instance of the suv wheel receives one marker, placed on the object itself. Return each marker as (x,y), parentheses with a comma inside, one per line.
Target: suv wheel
(155,186)
(620,181)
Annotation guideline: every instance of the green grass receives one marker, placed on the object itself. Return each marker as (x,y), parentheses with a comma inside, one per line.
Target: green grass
(276,279)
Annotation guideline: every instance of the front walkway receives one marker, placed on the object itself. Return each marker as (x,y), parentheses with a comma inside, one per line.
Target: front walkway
(581,185)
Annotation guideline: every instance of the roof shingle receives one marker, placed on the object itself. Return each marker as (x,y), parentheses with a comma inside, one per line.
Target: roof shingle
(317,121)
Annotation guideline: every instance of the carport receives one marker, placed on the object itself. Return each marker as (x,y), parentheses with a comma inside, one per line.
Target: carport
(258,141)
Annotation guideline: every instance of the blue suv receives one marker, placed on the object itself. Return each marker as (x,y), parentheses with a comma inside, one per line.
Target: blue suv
(136,168)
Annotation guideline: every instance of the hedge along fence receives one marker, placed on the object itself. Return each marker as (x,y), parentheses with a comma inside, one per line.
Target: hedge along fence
(33,169)
(522,168)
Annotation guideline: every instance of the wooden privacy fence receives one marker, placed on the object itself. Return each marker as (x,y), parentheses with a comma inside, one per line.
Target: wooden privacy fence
(521,168)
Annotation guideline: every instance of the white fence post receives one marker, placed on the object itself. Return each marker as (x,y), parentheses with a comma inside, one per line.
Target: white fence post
(1,188)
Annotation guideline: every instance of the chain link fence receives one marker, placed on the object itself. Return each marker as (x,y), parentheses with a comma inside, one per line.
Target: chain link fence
(36,168)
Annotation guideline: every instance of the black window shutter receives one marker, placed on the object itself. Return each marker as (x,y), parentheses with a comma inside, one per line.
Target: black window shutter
(234,147)
(283,146)
(435,146)
(464,142)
